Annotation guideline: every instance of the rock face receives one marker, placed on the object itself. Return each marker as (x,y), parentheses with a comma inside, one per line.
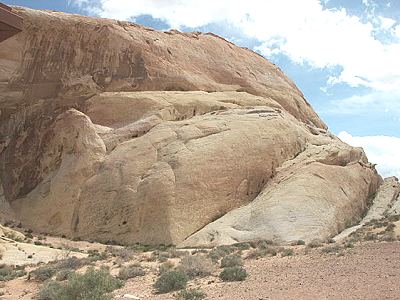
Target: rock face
(113,131)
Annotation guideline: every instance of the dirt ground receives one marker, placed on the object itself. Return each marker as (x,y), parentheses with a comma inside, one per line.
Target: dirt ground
(368,271)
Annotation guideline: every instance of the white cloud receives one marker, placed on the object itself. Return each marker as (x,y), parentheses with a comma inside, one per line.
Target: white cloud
(382,150)
(371,103)
(303,30)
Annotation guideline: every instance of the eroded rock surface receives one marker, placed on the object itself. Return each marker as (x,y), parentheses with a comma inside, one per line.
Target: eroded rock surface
(113,131)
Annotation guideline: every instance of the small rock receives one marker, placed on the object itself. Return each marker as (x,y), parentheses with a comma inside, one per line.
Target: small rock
(129,296)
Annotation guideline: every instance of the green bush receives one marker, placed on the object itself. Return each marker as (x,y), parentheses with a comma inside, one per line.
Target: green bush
(171,281)
(62,266)
(258,253)
(63,274)
(264,244)
(196,266)
(233,274)
(287,252)
(315,243)
(93,285)
(9,273)
(243,246)
(331,249)
(123,253)
(43,273)
(190,294)
(217,253)
(231,261)
(130,272)
(165,267)
(72,263)
(298,243)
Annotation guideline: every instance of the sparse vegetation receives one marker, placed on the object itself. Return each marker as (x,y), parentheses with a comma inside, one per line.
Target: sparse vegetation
(263,244)
(298,243)
(130,272)
(219,252)
(93,285)
(64,274)
(349,244)
(196,266)
(231,261)
(48,271)
(243,246)
(43,273)
(315,243)
(259,253)
(190,294)
(331,249)
(8,273)
(123,253)
(233,274)
(174,280)
(95,255)
(165,267)
(287,252)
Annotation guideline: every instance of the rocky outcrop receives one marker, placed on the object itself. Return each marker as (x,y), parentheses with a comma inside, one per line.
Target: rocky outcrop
(385,204)
(113,131)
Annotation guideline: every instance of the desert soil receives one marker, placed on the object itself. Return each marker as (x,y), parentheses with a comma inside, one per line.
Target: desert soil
(371,270)
(368,271)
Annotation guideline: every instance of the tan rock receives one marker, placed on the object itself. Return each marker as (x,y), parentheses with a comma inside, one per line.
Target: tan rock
(112,131)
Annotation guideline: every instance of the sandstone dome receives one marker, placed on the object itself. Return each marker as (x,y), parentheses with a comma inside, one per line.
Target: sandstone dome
(111,131)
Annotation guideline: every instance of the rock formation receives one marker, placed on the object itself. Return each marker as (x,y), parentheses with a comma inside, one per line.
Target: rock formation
(114,131)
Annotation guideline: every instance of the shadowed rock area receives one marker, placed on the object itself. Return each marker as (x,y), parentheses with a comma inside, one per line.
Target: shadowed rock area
(111,131)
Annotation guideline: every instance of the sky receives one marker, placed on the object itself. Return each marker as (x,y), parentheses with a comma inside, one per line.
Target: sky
(343,54)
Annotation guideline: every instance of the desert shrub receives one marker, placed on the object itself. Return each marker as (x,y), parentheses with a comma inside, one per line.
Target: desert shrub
(349,244)
(95,255)
(8,273)
(165,267)
(370,236)
(171,281)
(190,294)
(138,247)
(130,272)
(217,253)
(263,244)
(233,274)
(72,263)
(93,285)
(298,243)
(62,266)
(243,246)
(394,218)
(315,243)
(390,227)
(63,274)
(123,253)
(388,237)
(231,261)
(331,249)
(258,253)
(43,273)
(287,252)
(196,266)
(174,253)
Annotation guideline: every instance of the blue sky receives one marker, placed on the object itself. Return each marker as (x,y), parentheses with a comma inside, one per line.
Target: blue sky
(343,54)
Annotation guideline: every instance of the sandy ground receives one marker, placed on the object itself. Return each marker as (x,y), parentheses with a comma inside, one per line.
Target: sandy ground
(369,271)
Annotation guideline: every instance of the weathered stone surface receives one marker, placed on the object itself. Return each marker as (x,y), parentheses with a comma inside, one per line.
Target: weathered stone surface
(111,131)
